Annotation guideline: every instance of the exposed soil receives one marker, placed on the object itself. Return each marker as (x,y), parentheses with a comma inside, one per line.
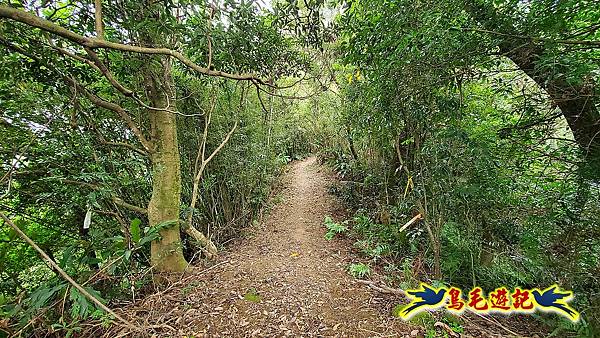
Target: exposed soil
(294,277)
(283,279)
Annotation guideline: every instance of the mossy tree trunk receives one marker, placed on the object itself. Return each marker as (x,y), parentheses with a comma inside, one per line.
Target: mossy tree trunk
(166,253)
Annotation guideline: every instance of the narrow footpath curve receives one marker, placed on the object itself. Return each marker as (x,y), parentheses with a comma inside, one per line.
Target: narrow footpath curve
(284,279)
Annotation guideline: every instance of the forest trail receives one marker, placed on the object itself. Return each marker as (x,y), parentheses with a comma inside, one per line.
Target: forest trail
(283,279)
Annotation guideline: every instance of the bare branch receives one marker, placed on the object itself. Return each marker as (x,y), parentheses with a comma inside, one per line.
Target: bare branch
(207,246)
(382,288)
(291,97)
(203,164)
(118,201)
(208,38)
(225,140)
(210,248)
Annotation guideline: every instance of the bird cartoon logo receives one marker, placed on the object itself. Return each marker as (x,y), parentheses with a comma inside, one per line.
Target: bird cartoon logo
(426,297)
(554,300)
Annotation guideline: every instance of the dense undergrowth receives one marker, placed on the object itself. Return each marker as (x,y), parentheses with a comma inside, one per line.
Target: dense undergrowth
(113,257)
(77,181)
(435,122)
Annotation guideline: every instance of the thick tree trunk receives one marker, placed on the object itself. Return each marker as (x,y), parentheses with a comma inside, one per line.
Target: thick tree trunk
(166,253)
(576,102)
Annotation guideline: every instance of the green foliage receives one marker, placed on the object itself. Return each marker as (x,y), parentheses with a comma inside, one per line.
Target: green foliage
(434,122)
(396,310)
(68,329)
(479,115)
(42,295)
(562,327)
(81,306)
(252,296)
(72,156)
(359,270)
(378,240)
(454,322)
(334,228)
(134,229)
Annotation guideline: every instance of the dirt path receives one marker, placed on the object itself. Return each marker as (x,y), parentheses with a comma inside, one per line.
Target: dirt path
(284,279)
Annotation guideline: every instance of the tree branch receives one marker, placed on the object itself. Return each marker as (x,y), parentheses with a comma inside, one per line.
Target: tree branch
(48,26)
(63,274)
(106,72)
(210,248)
(225,140)
(382,288)
(90,96)
(115,108)
(207,246)
(101,67)
(118,201)
(125,145)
